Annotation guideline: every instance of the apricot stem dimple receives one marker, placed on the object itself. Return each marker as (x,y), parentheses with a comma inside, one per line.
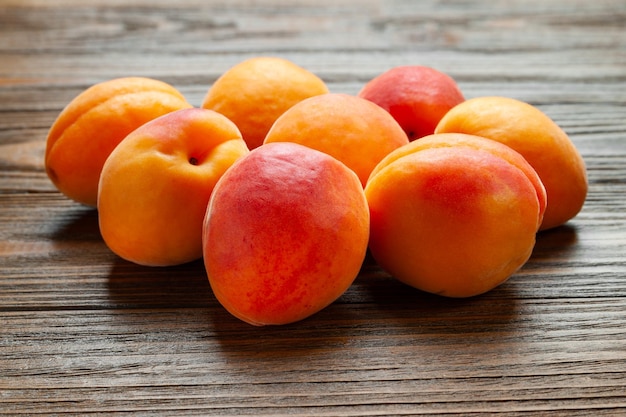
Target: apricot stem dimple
(193,160)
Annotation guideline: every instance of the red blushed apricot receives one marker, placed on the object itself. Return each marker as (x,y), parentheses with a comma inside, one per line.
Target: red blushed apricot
(156,184)
(416,96)
(93,123)
(285,234)
(454,220)
(446,140)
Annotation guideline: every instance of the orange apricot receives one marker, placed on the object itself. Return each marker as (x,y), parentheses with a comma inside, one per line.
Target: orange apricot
(92,125)
(538,138)
(416,96)
(453,214)
(156,184)
(285,234)
(256,91)
(353,130)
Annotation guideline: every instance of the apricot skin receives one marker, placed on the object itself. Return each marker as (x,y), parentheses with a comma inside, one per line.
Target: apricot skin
(452,220)
(93,123)
(535,136)
(155,186)
(446,140)
(255,92)
(416,96)
(354,130)
(285,234)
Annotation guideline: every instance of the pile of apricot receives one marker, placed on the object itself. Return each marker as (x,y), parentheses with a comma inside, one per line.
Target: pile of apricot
(282,186)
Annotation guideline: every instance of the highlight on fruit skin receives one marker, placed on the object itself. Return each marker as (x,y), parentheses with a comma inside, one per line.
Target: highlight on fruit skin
(533,134)
(94,123)
(454,214)
(285,234)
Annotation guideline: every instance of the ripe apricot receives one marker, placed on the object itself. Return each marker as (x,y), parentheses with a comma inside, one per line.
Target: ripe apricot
(285,233)
(454,214)
(256,91)
(93,123)
(156,184)
(355,131)
(416,96)
(538,138)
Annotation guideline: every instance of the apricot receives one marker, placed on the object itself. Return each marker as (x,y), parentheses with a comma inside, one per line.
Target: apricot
(538,138)
(285,234)
(256,91)
(353,130)
(156,184)
(454,214)
(94,122)
(416,96)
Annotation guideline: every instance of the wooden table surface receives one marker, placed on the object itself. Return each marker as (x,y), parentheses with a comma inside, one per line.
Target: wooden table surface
(83,332)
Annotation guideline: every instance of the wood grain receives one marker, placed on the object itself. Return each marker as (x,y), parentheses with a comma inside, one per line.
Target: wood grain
(83,332)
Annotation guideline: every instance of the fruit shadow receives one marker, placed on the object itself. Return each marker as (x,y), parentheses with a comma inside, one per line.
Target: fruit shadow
(75,238)
(555,243)
(174,287)
(418,313)
(79,223)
